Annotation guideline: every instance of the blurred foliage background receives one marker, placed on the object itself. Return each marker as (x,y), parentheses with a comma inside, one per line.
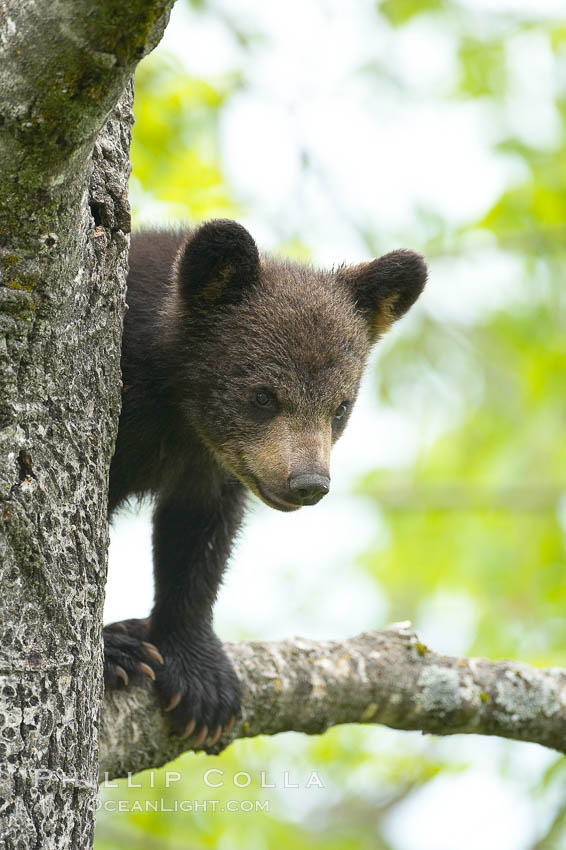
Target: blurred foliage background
(467,527)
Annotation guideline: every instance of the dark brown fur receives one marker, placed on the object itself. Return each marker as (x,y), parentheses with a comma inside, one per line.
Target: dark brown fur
(213,331)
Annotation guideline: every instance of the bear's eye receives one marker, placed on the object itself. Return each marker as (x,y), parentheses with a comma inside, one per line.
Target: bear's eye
(341,410)
(264,400)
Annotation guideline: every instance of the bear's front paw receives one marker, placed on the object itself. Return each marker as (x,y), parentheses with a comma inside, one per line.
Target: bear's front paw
(199,687)
(129,656)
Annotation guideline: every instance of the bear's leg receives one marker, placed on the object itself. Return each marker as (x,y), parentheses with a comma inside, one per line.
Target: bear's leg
(196,681)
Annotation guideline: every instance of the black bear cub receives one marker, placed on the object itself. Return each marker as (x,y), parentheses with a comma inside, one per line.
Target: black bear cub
(240,372)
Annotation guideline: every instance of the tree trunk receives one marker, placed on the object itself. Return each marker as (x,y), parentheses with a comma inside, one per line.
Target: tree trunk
(65,120)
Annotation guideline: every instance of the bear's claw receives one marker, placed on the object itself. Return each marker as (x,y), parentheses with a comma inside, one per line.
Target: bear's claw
(215,736)
(121,673)
(153,652)
(189,728)
(201,736)
(174,701)
(145,668)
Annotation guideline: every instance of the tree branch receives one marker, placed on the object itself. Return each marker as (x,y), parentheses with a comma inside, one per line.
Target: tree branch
(385,677)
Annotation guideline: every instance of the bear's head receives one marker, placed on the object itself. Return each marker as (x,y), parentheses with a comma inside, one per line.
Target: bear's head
(272,353)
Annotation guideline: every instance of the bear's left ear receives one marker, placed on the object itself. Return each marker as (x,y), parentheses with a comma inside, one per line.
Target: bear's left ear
(384,289)
(216,263)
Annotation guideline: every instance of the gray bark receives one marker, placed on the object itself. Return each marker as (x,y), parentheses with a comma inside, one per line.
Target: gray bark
(386,677)
(65,119)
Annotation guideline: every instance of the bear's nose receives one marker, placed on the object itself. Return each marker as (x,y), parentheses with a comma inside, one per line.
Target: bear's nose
(308,488)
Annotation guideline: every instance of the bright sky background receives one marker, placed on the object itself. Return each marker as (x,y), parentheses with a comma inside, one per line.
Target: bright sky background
(378,157)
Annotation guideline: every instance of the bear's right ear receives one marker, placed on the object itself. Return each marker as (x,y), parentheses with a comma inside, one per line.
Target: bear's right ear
(217,263)
(384,289)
